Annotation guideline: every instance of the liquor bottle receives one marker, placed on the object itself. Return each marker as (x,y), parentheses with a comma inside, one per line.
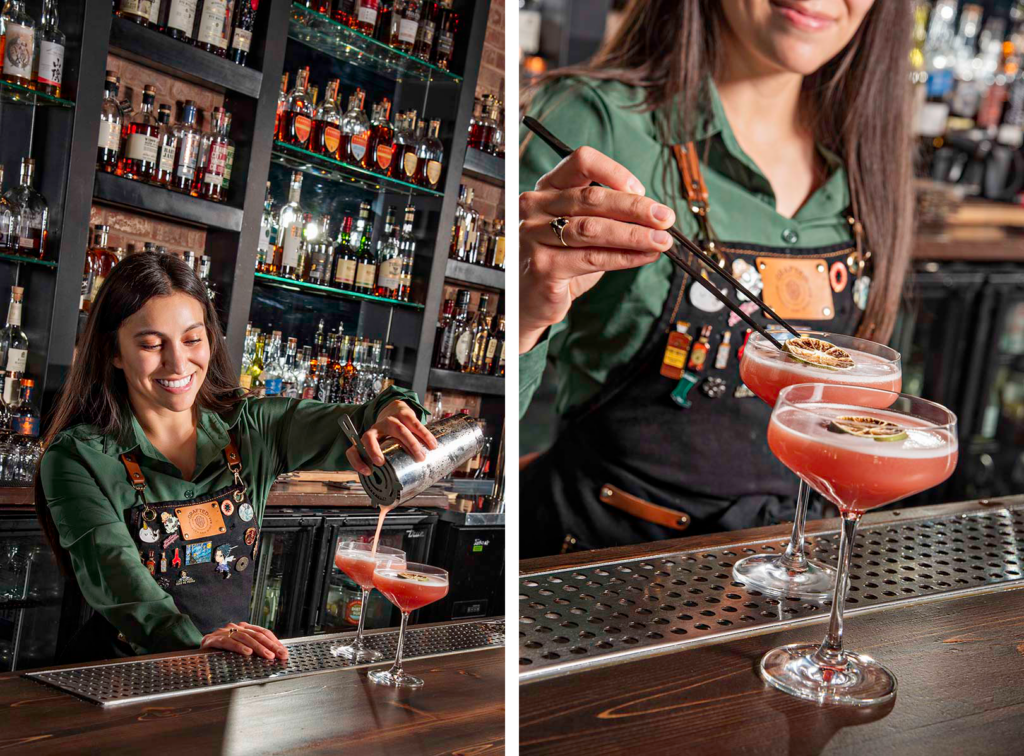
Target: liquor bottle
(166,147)
(111,118)
(494,359)
(382,31)
(480,333)
(178,19)
(303,372)
(722,355)
(355,132)
(477,127)
(229,160)
(256,366)
(348,375)
(290,225)
(382,137)
(496,128)
(248,348)
(407,243)
(462,341)
(321,254)
(389,269)
(404,26)
(328,356)
(282,100)
(154,15)
(483,466)
(17,43)
(213,158)
(49,62)
(99,261)
(458,323)
(297,119)
(205,264)
(143,144)
(33,231)
(13,342)
(135,10)
(498,258)
(288,374)
(966,94)
(344,12)
(426,30)
(346,257)
(699,354)
(10,219)
(186,157)
(310,232)
(272,369)
(189,257)
(244,23)
(25,420)
(444,36)
(366,267)
(213,26)
(264,256)
(327,124)
(430,157)
(464,231)
(365,16)
(447,312)
(403,161)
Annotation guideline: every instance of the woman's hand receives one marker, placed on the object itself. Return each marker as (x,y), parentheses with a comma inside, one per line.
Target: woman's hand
(609,229)
(398,421)
(246,639)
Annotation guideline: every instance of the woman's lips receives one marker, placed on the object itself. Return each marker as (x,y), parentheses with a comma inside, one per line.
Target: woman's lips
(804,21)
(176,389)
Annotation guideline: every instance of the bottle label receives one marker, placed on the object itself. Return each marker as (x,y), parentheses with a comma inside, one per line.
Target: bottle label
(492,347)
(302,127)
(189,152)
(229,162)
(501,360)
(332,138)
(309,392)
(97,282)
(167,155)
(211,26)
(27,425)
(51,63)
(245,381)
(263,244)
(346,272)
(366,274)
(368,12)
(214,173)
(242,40)
(407,31)
(425,34)
(409,164)
(154,13)
(463,347)
(30,243)
(19,47)
(272,386)
(143,147)
(358,145)
(290,251)
(384,153)
(433,171)
(16,360)
(499,252)
(182,16)
(445,45)
(390,274)
(136,8)
(110,135)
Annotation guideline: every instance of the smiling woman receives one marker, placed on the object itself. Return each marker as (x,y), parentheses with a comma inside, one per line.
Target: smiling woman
(153,444)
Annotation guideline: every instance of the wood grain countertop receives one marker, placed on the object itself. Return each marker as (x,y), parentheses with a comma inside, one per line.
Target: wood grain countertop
(959,662)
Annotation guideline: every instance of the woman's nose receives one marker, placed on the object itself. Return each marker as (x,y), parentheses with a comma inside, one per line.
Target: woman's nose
(175,359)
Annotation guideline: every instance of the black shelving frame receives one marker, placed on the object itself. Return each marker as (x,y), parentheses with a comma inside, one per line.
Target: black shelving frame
(63,141)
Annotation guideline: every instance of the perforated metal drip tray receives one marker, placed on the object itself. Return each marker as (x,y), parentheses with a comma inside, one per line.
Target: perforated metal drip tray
(149,679)
(574,618)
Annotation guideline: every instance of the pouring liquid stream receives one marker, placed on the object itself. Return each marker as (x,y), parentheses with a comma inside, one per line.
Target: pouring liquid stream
(380,523)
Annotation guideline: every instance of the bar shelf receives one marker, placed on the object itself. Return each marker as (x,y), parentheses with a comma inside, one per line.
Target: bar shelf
(471,383)
(155,200)
(478,275)
(484,166)
(327,291)
(28,260)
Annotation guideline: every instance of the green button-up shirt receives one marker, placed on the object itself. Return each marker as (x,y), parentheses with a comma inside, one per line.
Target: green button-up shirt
(88,493)
(607,326)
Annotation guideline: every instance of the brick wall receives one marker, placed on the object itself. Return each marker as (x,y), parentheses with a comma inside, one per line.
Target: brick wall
(492,69)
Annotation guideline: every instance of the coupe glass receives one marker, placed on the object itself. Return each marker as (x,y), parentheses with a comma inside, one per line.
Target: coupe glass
(766,371)
(408,586)
(356,560)
(860,449)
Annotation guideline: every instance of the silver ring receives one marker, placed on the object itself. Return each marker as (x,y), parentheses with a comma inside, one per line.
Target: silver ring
(558,226)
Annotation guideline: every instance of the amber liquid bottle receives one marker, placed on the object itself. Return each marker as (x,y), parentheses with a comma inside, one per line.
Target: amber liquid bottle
(142,147)
(212,32)
(365,13)
(297,121)
(281,101)
(326,137)
(345,12)
(444,37)
(382,138)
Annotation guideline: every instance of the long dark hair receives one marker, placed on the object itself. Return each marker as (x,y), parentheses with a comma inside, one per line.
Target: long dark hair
(860,103)
(95,392)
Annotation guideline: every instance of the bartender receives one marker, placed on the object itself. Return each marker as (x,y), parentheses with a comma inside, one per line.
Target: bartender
(776,134)
(157,468)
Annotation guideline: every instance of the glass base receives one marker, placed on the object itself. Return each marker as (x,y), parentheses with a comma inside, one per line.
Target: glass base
(357,651)
(390,678)
(766,573)
(859,681)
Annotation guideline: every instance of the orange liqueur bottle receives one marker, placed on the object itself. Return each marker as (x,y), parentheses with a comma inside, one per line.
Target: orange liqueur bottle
(382,137)
(298,113)
(327,124)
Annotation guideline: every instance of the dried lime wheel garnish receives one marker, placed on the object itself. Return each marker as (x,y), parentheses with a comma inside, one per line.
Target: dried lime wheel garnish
(818,352)
(868,427)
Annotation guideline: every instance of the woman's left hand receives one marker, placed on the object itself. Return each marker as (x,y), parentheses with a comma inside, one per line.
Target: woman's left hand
(398,421)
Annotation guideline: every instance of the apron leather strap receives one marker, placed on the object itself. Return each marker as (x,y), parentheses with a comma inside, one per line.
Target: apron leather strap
(138,480)
(645,510)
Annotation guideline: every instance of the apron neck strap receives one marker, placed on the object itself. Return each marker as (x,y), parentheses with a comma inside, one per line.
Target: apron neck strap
(234,460)
(696,192)
(138,480)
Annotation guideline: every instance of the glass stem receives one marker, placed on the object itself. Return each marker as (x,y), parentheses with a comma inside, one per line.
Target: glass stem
(362,617)
(830,652)
(397,670)
(793,558)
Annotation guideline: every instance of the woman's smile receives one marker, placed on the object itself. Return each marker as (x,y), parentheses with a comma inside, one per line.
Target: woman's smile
(176,385)
(798,15)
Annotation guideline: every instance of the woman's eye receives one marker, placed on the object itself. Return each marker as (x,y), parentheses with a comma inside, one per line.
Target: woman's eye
(151,347)
(193,342)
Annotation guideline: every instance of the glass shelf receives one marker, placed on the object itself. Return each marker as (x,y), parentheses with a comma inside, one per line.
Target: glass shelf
(328,291)
(17,94)
(28,260)
(298,159)
(339,41)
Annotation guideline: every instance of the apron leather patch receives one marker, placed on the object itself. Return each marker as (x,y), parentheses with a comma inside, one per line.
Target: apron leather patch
(797,288)
(200,520)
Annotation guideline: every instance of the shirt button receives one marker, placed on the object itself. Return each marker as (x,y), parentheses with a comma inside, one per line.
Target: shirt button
(188,493)
(790,236)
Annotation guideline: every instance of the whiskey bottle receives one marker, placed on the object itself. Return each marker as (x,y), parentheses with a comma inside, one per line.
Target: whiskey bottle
(365,16)
(496,136)
(241,37)
(389,270)
(111,118)
(407,243)
(405,23)
(430,158)
(366,268)
(143,145)
(462,340)
(33,231)
(186,157)
(178,19)
(444,38)
(135,10)
(477,128)
(426,30)
(403,161)
(18,43)
(446,359)
(321,254)
(290,225)
(480,334)
(346,257)
(100,261)
(264,255)
(297,119)
(355,132)
(494,360)
(154,15)
(10,219)
(282,100)
(49,64)
(327,124)
(167,148)
(447,312)
(382,138)
(214,157)
(213,26)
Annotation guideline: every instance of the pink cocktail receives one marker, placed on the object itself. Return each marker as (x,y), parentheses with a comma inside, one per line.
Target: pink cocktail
(858,457)
(408,586)
(358,560)
(766,370)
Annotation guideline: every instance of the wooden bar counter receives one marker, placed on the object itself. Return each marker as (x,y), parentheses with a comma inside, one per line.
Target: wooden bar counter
(958,658)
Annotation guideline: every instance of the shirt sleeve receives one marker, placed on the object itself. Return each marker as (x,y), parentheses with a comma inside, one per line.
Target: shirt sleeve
(306,434)
(106,560)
